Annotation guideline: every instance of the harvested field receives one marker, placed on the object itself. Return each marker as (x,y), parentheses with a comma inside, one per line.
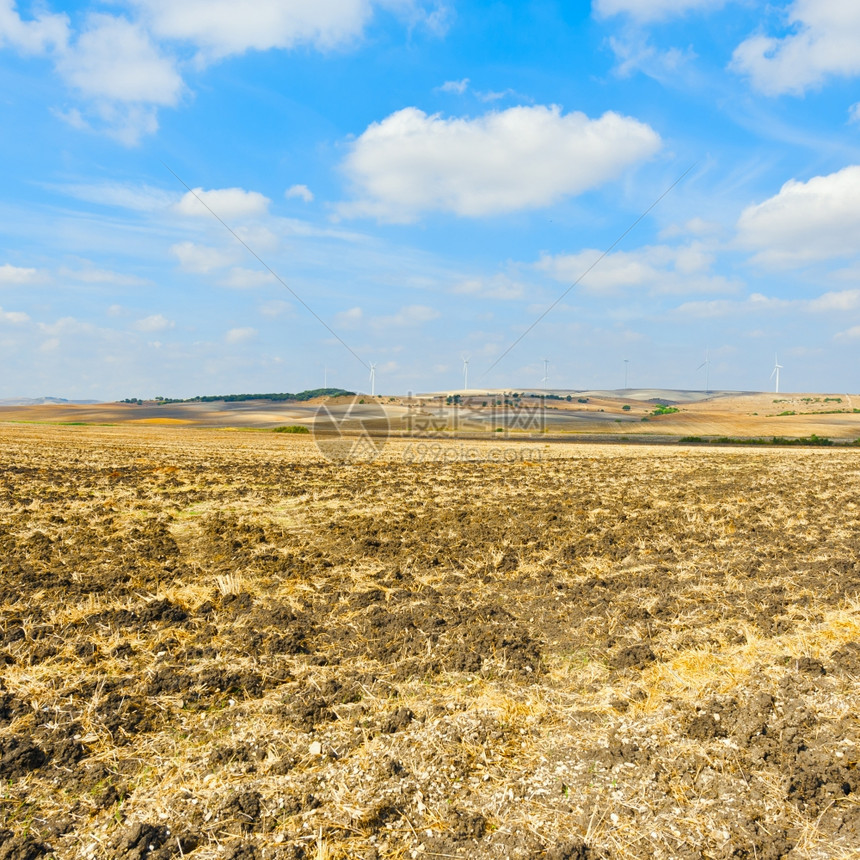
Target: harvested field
(215,644)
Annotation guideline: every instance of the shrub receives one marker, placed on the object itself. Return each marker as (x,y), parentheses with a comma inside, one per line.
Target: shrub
(626,407)
(292,428)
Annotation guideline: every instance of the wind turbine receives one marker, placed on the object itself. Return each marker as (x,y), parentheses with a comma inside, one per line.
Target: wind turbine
(626,366)
(465,373)
(372,379)
(775,372)
(545,373)
(707,365)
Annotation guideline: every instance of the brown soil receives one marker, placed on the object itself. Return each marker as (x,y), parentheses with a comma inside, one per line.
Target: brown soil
(220,646)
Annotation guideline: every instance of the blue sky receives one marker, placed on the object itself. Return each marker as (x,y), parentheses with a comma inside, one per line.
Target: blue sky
(428,176)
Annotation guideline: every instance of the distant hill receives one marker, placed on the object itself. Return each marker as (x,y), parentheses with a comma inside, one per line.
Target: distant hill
(44,401)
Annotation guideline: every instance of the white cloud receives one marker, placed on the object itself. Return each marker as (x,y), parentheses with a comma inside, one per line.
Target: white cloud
(635,54)
(102,276)
(651,10)
(494,287)
(411,315)
(224,202)
(754,303)
(240,335)
(139,198)
(854,112)
(849,334)
(349,319)
(115,60)
(275,308)
(805,221)
(520,158)
(13,317)
(822,41)
(201,258)
(458,87)
(693,227)
(832,302)
(32,37)
(839,301)
(657,269)
(10,274)
(301,191)
(156,322)
(67,325)
(220,28)
(239,278)
(122,75)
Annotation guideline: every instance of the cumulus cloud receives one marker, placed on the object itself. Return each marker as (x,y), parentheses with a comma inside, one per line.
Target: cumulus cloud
(45,31)
(849,334)
(651,10)
(655,269)
(838,301)
(635,54)
(754,303)
(224,202)
(239,278)
(411,315)
(275,308)
(13,317)
(219,28)
(10,274)
(115,59)
(822,41)
(156,322)
(494,287)
(520,158)
(122,75)
(200,259)
(240,335)
(806,221)
(349,319)
(92,275)
(831,302)
(300,191)
(458,87)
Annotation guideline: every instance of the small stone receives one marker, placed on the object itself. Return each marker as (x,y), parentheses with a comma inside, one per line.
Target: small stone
(315,748)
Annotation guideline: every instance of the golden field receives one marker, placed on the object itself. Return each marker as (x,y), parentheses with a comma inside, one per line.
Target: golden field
(216,644)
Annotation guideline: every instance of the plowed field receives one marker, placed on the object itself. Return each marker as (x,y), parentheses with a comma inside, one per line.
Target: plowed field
(216,644)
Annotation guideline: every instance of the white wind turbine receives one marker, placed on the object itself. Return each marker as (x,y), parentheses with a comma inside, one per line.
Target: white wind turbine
(545,372)
(707,365)
(775,372)
(372,379)
(465,373)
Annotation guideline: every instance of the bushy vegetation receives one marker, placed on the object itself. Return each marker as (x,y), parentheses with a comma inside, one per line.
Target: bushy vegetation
(806,441)
(292,428)
(310,394)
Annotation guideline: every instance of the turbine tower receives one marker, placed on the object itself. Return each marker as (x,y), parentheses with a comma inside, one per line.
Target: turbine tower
(707,365)
(626,367)
(545,372)
(372,379)
(775,373)
(465,373)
